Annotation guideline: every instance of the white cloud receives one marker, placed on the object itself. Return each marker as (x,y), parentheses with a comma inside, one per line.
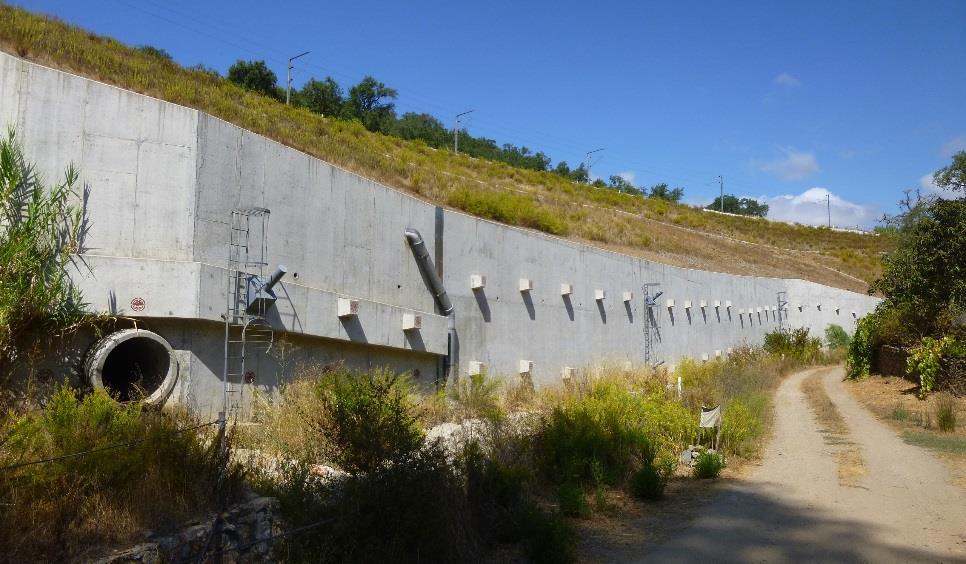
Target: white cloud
(810,208)
(787,80)
(953,146)
(627,175)
(929,187)
(795,165)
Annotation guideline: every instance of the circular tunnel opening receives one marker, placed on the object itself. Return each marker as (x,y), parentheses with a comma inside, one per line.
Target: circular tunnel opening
(135,369)
(133,365)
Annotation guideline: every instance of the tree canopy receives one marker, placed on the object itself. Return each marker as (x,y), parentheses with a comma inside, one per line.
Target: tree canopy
(321,96)
(255,76)
(740,206)
(663,192)
(953,177)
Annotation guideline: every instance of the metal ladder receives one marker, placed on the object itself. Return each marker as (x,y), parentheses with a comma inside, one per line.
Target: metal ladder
(246,332)
(652,325)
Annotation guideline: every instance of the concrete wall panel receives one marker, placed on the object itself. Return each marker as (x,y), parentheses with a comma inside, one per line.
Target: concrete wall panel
(164,178)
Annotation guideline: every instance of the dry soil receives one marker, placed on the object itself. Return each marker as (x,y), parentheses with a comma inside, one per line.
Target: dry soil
(794,506)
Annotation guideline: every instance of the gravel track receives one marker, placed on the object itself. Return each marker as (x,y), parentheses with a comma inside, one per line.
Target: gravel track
(793,507)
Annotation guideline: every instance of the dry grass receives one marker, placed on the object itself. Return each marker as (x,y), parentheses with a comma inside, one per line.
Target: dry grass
(893,400)
(848,457)
(653,229)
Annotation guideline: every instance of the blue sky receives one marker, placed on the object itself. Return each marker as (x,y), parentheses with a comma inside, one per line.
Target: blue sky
(785,100)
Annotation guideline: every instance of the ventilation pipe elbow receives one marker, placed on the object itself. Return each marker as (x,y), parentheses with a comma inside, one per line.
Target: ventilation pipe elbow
(275,278)
(425,263)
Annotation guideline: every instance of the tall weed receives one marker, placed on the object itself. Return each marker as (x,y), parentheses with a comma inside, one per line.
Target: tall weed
(72,507)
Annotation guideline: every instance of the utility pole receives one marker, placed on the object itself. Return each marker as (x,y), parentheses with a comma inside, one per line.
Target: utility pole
(288,81)
(721,183)
(587,161)
(456,131)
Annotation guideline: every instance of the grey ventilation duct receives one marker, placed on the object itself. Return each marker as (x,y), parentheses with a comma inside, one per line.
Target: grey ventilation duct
(428,270)
(261,292)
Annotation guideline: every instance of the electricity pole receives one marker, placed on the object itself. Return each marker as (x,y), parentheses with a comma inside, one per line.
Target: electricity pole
(721,183)
(456,131)
(288,81)
(587,161)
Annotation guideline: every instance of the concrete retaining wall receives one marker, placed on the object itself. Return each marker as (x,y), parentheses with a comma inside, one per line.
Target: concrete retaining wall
(163,178)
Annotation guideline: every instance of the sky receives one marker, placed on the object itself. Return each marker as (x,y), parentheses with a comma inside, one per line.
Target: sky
(787,102)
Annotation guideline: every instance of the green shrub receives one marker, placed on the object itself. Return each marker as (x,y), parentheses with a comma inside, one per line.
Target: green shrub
(925,360)
(945,413)
(899,412)
(477,395)
(858,361)
(594,437)
(40,228)
(709,465)
(400,512)
(55,511)
(793,343)
(742,425)
(573,502)
(648,483)
(549,537)
(836,337)
(367,418)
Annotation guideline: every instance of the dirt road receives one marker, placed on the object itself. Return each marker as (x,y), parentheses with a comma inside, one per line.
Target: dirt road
(796,507)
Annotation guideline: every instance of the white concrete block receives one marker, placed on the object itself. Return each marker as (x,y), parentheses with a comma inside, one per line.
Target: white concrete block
(566,289)
(717,353)
(727,303)
(525,367)
(412,322)
(599,295)
(670,304)
(717,303)
(627,296)
(348,307)
(568,373)
(702,304)
(526,285)
(477,281)
(475,368)
(704,357)
(687,304)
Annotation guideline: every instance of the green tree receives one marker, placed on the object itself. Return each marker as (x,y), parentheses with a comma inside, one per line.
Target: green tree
(370,102)
(925,276)
(321,96)
(663,192)
(621,184)
(740,206)
(255,76)
(424,127)
(953,177)
(580,174)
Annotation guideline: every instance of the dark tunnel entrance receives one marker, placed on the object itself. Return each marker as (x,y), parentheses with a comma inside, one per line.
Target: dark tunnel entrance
(133,365)
(135,369)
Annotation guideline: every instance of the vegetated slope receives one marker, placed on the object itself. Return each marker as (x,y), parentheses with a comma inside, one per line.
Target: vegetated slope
(650,228)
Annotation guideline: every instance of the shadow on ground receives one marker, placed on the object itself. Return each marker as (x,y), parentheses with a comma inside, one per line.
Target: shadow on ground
(740,525)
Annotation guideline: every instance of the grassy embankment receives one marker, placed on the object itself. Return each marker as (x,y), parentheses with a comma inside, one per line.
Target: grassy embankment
(653,229)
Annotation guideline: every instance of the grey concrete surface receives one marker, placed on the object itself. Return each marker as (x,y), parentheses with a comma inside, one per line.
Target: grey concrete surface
(162,179)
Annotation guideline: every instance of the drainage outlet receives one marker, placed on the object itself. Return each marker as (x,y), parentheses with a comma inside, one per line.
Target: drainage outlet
(133,365)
